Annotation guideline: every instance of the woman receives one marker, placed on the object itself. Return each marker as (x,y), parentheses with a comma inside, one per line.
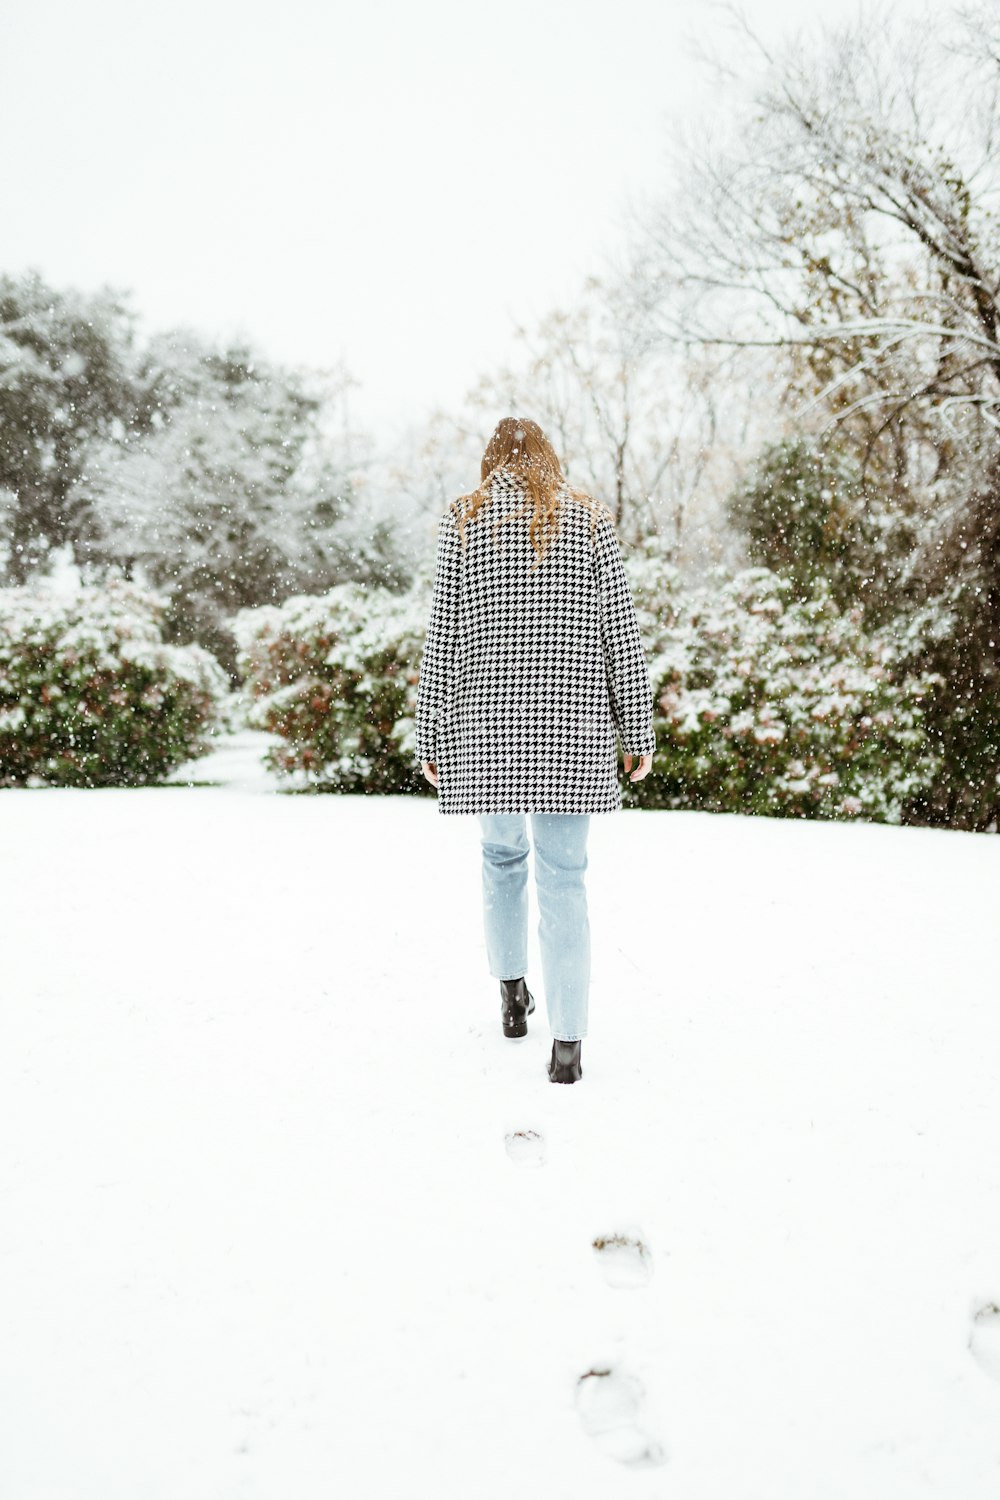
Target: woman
(532,662)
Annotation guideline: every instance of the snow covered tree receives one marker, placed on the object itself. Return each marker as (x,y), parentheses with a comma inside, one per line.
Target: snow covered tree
(844,220)
(229,495)
(958,570)
(66,381)
(635,423)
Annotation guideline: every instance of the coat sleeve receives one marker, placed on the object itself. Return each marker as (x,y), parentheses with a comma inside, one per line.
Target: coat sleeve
(628,676)
(434,686)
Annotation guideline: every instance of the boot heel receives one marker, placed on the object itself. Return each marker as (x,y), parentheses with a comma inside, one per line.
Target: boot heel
(564,1064)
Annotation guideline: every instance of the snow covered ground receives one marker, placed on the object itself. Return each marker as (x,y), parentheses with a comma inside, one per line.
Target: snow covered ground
(285,1217)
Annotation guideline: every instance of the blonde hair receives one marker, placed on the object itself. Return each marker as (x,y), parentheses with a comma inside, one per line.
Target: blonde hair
(520,447)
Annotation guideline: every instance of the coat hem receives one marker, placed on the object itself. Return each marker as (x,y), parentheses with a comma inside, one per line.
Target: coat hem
(475,812)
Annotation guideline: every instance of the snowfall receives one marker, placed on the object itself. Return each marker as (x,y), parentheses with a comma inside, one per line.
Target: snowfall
(286,1217)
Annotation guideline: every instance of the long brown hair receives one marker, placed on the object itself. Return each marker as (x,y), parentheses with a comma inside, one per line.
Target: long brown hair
(520,448)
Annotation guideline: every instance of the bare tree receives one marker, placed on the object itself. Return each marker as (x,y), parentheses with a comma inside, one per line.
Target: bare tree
(850,227)
(635,422)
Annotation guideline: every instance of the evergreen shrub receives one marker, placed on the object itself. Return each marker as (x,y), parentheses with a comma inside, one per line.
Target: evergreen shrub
(771,704)
(335,675)
(90,695)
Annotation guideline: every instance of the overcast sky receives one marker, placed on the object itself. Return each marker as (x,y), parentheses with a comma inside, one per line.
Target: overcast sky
(388,182)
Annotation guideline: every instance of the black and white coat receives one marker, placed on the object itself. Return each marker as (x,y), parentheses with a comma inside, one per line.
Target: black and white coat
(527,678)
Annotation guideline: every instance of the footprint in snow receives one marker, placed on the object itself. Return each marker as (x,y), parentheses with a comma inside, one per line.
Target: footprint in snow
(984,1340)
(624,1259)
(526,1148)
(609,1404)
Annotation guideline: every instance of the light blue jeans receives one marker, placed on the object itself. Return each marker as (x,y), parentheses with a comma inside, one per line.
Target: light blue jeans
(560,842)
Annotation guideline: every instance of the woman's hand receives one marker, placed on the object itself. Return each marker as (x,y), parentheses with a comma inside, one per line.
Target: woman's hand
(642,769)
(430,770)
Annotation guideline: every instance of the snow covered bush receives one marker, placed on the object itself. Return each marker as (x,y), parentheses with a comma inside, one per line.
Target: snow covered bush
(91,696)
(774,705)
(763,703)
(336,676)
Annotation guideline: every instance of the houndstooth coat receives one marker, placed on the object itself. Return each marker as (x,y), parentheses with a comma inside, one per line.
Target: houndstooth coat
(527,677)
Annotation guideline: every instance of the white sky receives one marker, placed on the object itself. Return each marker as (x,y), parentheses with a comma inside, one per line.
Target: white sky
(388,182)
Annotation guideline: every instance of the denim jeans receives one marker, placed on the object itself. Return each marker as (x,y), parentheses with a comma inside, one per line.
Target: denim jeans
(560,843)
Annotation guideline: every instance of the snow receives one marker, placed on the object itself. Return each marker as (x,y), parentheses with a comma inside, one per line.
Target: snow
(236,763)
(286,1215)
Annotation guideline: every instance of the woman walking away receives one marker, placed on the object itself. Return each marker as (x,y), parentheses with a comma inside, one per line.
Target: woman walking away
(532,664)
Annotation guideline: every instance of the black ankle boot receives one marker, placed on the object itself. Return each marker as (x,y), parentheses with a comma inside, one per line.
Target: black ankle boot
(564,1064)
(517,1003)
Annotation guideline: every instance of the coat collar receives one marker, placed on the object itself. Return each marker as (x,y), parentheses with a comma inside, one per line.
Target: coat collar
(507,481)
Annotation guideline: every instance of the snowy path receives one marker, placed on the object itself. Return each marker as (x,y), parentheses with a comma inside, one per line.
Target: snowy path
(284,1215)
